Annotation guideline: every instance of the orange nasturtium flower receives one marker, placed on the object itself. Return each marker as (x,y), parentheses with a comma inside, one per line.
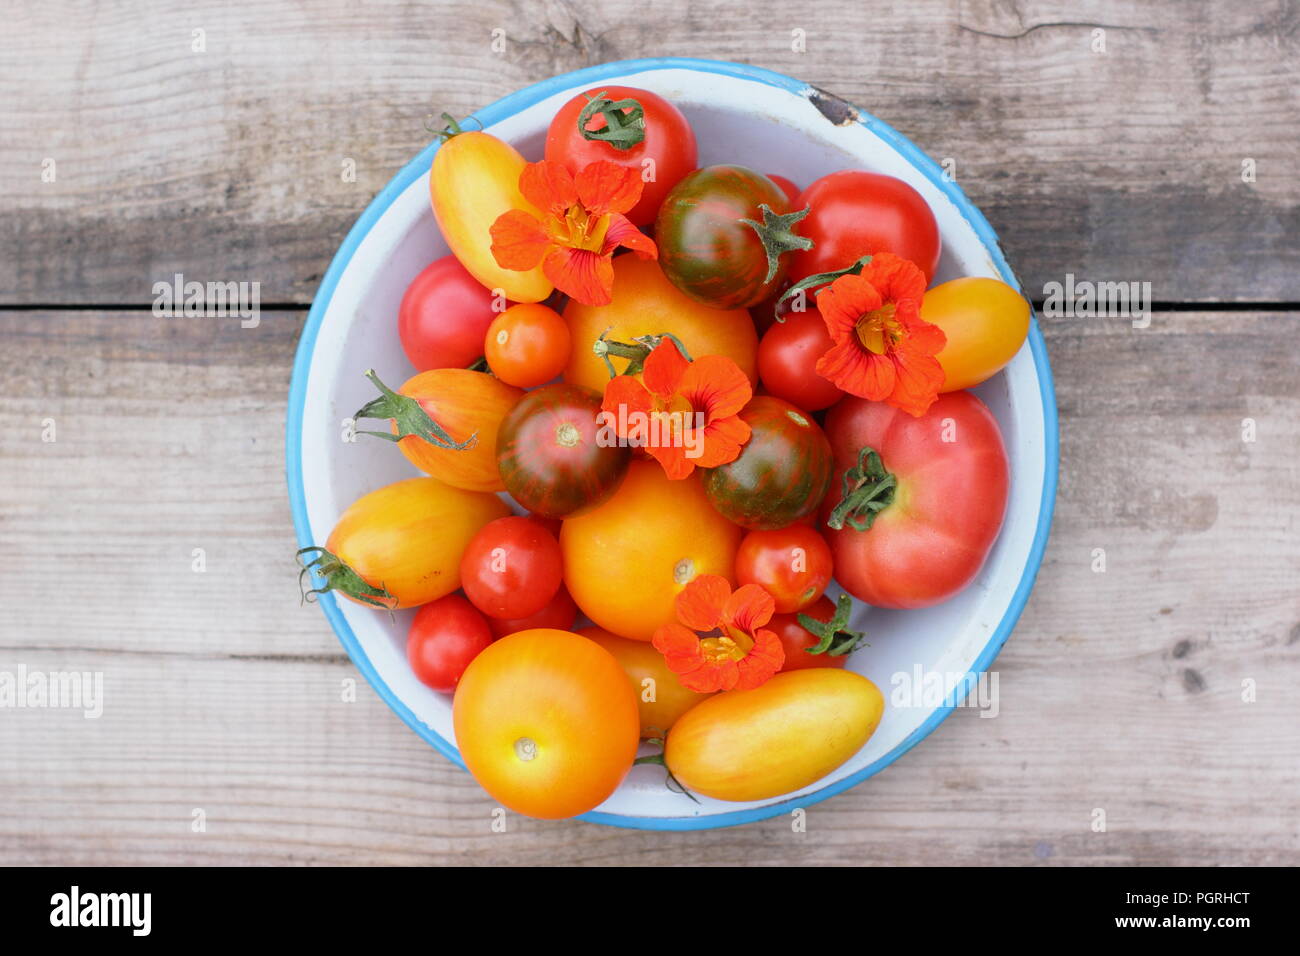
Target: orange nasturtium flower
(884,350)
(686,414)
(582,225)
(720,642)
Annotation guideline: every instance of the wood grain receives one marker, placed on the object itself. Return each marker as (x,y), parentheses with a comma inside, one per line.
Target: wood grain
(226,164)
(1120,690)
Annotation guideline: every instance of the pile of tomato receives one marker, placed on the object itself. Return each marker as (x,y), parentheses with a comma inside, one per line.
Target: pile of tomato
(588,580)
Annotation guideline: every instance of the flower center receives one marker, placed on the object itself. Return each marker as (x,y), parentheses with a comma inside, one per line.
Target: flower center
(732,645)
(879,330)
(581,231)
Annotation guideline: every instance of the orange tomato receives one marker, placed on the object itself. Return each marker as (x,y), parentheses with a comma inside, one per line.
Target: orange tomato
(473,180)
(986,322)
(408,537)
(646,303)
(626,560)
(777,738)
(527,345)
(546,722)
(661,698)
(464,403)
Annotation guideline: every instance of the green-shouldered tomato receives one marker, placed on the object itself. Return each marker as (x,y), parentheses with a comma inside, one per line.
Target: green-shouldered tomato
(555,457)
(783,471)
(716,242)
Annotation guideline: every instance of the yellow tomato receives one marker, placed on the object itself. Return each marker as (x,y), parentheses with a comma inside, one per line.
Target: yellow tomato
(777,738)
(408,538)
(626,560)
(986,322)
(646,303)
(464,403)
(473,180)
(546,722)
(661,698)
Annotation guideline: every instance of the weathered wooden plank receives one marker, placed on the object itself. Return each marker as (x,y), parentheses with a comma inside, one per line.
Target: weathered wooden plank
(1120,690)
(226,164)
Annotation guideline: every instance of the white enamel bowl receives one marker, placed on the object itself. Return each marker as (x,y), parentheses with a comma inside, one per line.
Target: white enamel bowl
(742,115)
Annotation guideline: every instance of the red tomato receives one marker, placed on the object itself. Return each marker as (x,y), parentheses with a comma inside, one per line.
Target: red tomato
(787,361)
(527,345)
(793,564)
(443,317)
(560,613)
(445,636)
(787,187)
(664,156)
(942,517)
(512,568)
(855,213)
(795,640)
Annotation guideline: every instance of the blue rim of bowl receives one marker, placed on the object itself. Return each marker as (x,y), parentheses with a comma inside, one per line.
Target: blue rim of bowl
(512,104)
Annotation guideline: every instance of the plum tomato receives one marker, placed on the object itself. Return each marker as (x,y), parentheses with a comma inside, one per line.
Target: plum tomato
(560,613)
(854,213)
(793,564)
(715,242)
(665,152)
(527,345)
(554,455)
(511,568)
(787,361)
(661,697)
(443,317)
(783,471)
(444,637)
(985,322)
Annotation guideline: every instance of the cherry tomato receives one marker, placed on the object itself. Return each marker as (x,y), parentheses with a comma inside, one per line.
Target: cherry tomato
(443,317)
(783,470)
(793,564)
(663,157)
(445,636)
(560,613)
(795,640)
(941,515)
(511,568)
(527,345)
(708,249)
(789,188)
(787,361)
(854,213)
(553,454)
(985,322)
(547,723)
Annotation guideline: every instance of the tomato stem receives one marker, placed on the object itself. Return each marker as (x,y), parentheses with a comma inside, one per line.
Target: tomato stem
(672,783)
(621,130)
(410,416)
(821,279)
(776,233)
(868,490)
(833,637)
(449,129)
(339,577)
(636,351)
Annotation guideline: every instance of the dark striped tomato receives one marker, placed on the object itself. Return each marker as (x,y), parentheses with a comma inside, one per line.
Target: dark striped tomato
(705,248)
(550,453)
(783,471)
